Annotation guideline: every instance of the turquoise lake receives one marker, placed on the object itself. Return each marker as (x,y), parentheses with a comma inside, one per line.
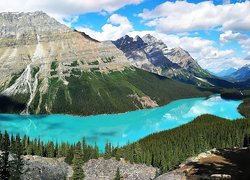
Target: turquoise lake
(117,128)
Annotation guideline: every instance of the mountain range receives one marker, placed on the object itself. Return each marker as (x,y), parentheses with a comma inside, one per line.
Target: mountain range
(225,72)
(241,74)
(47,67)
(151,54)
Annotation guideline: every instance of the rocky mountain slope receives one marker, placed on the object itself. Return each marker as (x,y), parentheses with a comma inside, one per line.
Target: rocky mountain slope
(49,68)
(35,49)
(241,74)
(153,55)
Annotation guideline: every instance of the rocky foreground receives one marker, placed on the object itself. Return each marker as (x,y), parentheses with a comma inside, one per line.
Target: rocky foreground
(213,164)
(38,168)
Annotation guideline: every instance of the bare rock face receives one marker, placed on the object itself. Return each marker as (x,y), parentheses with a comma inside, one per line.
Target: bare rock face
(29,40)
(26,28)
(151,54)
(35,48)
(183,59)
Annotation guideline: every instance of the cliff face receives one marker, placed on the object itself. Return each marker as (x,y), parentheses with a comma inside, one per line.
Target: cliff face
(151,54)
(49,68)
(31,40)
(35,48)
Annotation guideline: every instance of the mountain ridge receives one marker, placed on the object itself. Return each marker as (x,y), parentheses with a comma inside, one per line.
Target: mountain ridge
(242,74)
(53,69)
(151,54)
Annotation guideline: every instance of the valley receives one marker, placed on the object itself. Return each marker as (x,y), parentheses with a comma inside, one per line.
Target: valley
(69,102)
(118,128)
(61,71)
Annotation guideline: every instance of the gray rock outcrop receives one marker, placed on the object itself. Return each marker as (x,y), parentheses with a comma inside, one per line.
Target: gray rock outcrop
(40,168)
(105,170)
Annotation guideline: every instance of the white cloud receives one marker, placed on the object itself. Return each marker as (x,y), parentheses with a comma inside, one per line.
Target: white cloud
(230,36)
(69,20)
(191,44)
(211,52)
(116,27)
(61,9)
(118,20)
(202,50)
(181,16)
(242,39)
(222,64)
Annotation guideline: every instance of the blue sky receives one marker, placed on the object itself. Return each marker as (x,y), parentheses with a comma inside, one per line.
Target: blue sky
(216,33)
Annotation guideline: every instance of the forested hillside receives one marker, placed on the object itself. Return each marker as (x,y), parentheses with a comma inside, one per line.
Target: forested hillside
(89,93)
(167,149)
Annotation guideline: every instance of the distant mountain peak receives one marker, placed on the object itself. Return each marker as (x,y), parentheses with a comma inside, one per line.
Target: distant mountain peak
(148,38)
(181,51)
(246,67)
(241,74)
(23,13)
(32,24)
(126,37)
(225,72)
(137,38)
(152,54)
(247,58)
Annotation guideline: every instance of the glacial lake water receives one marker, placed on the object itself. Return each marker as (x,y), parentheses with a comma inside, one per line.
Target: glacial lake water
(117,128)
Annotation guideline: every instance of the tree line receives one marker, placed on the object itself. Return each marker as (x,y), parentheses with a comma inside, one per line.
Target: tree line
(164,150)
(13,147)
(167,149)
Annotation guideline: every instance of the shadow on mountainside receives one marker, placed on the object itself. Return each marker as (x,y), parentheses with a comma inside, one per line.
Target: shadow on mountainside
(8,105)
(233,162)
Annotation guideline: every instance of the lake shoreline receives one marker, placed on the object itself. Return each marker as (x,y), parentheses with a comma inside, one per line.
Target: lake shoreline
(74,115)
(118,128)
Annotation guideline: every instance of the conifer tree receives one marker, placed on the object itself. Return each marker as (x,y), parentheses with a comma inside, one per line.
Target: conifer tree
(70,156)
(16,165)
(96,152)
(117,174)
(108,151)
(4,158)
(12,144)
(78,173)
(51,150)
